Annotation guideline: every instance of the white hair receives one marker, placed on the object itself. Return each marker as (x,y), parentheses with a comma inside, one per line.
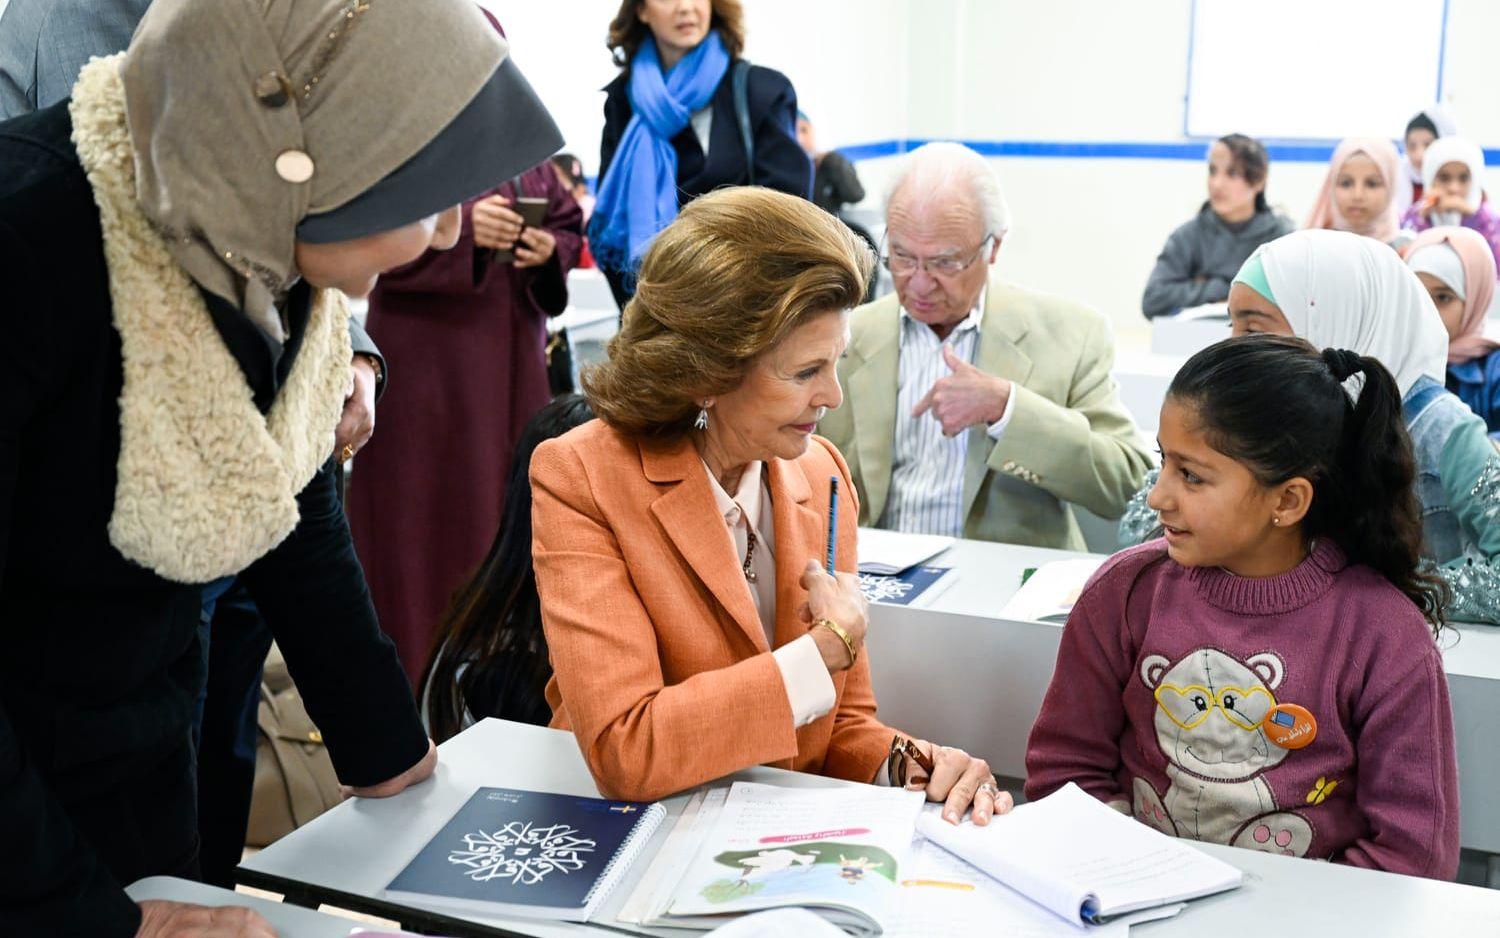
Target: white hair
(936,168)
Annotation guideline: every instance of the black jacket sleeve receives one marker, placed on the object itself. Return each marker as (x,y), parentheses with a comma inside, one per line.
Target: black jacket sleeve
(1172,286)
(616,116)
(780,161)
(311,590)
(362,344)
(51,881)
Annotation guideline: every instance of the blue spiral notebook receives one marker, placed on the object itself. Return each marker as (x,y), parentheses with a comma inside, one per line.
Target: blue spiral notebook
(527,853)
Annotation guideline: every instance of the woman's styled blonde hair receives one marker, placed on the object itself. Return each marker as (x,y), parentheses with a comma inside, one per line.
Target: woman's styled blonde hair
(736,272)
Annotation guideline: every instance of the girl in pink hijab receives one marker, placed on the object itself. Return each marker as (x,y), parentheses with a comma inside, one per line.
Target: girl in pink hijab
(1458,269)
(1358,194)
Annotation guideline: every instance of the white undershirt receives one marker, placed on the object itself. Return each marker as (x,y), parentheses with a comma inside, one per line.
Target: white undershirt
(702,123)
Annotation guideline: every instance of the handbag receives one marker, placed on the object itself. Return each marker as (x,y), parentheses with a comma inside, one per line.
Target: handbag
(294,777)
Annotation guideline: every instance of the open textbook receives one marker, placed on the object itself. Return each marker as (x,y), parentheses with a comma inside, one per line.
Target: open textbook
(1082,860)
(838,852)
(855,857)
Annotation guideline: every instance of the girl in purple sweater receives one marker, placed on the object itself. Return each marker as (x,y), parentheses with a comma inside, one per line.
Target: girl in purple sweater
(1266,675)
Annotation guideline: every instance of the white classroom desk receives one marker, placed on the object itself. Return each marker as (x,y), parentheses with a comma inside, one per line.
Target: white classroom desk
(348,855)
(991,674)
(289,921)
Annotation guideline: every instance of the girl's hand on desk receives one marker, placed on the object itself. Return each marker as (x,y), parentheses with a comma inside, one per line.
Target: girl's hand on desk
(400,783)
(959,780)
(840,601)
(161,919)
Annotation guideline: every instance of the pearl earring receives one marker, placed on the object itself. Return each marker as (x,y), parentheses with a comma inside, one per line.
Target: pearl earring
(702,422)
(1275,519)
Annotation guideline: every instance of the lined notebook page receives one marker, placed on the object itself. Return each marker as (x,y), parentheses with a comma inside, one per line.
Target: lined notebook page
(1069,852)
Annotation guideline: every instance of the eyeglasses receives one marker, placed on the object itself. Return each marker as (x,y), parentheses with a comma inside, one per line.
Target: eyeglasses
(904,265)
(1189,706)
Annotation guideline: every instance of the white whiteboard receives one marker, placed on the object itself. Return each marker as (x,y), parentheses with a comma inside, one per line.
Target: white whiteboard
(1320,69)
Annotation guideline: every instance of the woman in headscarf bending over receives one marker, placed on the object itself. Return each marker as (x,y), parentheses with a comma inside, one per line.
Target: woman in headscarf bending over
(182,234)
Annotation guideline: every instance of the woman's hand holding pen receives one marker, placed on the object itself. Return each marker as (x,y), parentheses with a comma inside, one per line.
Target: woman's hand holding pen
(840,602)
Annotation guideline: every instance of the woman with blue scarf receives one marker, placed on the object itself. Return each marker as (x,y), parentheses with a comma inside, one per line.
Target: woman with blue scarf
(672,130)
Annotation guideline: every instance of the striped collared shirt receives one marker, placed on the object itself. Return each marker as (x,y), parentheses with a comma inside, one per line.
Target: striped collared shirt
(927,468)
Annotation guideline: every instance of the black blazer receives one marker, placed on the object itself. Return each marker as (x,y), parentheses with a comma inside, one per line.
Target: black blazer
(780,162)
(100,665)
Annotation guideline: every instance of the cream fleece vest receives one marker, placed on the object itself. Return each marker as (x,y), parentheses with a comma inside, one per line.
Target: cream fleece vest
(206,483)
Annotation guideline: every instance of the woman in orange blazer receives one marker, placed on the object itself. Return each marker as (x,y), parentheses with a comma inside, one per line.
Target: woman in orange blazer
(677,540)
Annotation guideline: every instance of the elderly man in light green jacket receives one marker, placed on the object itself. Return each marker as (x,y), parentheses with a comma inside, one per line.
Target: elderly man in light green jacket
(975,407)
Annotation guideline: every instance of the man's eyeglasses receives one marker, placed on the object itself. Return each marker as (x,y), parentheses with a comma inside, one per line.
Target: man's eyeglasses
(904,265)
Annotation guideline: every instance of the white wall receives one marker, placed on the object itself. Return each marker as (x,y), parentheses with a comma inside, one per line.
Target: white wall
(1003,70)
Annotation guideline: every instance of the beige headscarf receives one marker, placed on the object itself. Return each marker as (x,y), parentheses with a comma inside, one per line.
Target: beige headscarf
(225,125)
(229,103)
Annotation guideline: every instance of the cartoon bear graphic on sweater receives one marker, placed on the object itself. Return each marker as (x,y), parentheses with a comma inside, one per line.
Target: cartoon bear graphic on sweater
(1208,723)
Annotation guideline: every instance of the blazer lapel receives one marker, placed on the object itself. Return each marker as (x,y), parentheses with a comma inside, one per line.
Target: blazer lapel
(690,517)
(801,535)
(1004,325)
(872,400)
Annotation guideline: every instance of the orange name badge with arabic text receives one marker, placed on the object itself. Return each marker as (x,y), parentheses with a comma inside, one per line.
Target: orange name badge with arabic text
(1290,726)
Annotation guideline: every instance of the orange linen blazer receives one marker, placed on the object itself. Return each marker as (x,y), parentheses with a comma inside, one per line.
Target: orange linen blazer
(660,662)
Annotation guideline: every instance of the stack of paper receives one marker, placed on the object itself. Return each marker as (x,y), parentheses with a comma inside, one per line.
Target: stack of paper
(1082,860)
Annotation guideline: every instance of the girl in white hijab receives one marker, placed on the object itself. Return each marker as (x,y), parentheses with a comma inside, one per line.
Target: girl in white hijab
(1453,182)
(1428,125)
(1341,290)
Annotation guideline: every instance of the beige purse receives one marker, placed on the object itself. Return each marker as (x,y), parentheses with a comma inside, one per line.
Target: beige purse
(294,778)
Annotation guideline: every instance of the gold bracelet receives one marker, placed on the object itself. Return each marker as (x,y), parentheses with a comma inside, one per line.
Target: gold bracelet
(838,630)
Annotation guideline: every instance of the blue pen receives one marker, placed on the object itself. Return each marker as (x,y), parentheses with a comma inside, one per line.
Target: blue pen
(833,521)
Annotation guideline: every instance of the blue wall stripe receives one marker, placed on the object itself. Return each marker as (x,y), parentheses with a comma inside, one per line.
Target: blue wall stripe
(1280,152)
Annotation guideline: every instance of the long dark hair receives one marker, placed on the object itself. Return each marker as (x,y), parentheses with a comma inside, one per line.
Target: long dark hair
(1277,405)
(493,630)
(1251,160)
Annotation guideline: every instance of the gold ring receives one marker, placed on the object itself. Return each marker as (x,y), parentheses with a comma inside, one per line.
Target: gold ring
(347,453)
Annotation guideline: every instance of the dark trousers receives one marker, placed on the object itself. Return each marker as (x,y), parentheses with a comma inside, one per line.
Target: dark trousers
(238,642)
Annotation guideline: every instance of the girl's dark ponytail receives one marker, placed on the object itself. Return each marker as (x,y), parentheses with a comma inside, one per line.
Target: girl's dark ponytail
(1375,502)
(1278,405)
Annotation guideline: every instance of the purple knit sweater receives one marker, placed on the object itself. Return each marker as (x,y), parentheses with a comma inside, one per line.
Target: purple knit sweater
(1165,673)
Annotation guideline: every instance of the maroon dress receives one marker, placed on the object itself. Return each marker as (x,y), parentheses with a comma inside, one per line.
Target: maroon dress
(465,341)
